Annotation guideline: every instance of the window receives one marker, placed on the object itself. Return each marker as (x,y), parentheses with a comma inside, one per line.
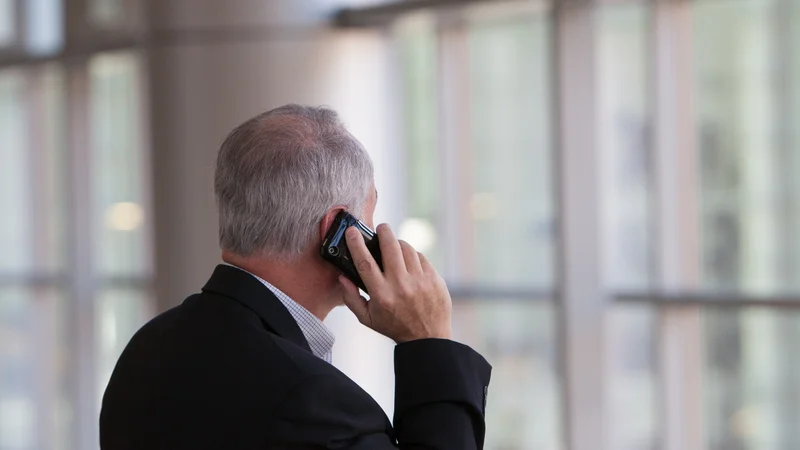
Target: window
(424,216)
(746,90)
(507,231)
(44,22)
(119,199)
(719,80)
(119,207)
(748,159)
(76,266)
(31,28)
(480,202)
(33,347)
(8,30)
(625,131)
(507,170)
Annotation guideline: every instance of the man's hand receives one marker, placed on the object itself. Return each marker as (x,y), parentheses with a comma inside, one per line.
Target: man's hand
(408,300)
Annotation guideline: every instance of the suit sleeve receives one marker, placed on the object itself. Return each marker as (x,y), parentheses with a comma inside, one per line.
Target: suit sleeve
(440,390)
(440,395)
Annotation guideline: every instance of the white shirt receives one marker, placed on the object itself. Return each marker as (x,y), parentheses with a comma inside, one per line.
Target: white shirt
(319,337)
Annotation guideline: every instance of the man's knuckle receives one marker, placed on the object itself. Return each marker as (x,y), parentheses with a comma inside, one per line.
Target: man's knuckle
(405,289)
(364,265)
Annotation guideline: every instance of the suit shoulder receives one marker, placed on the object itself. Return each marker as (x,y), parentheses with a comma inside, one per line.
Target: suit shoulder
(207,333)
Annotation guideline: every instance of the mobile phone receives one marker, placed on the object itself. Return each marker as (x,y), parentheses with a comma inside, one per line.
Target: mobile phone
(334,247)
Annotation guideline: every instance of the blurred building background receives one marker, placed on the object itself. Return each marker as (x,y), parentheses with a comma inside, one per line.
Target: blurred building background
(610,187)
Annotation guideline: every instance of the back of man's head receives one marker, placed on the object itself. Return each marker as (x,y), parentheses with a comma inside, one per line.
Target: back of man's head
(279,173)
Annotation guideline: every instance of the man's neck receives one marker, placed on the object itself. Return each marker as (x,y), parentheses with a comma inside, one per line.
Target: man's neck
(303,280)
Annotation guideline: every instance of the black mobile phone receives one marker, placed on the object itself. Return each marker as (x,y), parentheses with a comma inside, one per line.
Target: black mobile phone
(334,247)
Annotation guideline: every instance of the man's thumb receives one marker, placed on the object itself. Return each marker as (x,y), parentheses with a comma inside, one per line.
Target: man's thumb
(354,301)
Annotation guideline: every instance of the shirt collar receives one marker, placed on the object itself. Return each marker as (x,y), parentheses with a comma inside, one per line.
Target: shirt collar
(319,337)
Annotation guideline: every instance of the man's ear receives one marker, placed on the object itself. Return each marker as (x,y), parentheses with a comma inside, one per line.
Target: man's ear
(327,220)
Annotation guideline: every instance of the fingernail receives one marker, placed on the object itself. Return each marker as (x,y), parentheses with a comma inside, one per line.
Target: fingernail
(352,232)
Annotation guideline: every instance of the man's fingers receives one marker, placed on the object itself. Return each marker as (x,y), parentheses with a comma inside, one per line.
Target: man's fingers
(411,258)
(365,264)
(426,265)
(355,302)
(391,253)
(350,289)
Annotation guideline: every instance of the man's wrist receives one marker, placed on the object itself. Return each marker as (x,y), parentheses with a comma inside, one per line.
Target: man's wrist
(443,334)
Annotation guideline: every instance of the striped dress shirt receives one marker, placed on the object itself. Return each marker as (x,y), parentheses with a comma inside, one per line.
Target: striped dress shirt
(320,338)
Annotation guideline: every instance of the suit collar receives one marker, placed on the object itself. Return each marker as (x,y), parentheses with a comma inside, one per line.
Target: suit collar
(239,285)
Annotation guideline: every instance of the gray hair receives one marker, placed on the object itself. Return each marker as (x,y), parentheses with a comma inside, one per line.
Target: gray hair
(280,172)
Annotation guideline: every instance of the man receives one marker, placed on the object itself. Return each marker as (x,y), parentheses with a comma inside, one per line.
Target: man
(246,363)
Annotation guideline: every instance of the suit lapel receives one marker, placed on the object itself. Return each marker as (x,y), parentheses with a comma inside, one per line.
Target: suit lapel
(243,287)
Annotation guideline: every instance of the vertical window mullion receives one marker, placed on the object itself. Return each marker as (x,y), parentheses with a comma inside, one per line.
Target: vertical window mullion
(582,302)
(679,329)
(81,300)
(45,326)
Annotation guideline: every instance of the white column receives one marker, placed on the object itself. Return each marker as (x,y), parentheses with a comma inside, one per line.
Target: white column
(582,300)
(680,336)
(81,311)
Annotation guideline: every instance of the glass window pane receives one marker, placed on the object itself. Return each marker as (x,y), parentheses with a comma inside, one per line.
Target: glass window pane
(44,26)
(507,172)
(749,153)
(623,60)
(518,337)
(423,209)
(32,189)
(748,107)
(17,382)
(119,314)
(49,170)
(8,31)
(633,395)
(33,373)
(118,159)
(16,237)
(788,86)
(752,396)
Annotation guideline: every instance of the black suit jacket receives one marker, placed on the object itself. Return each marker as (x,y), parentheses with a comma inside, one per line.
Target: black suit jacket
(230,369)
